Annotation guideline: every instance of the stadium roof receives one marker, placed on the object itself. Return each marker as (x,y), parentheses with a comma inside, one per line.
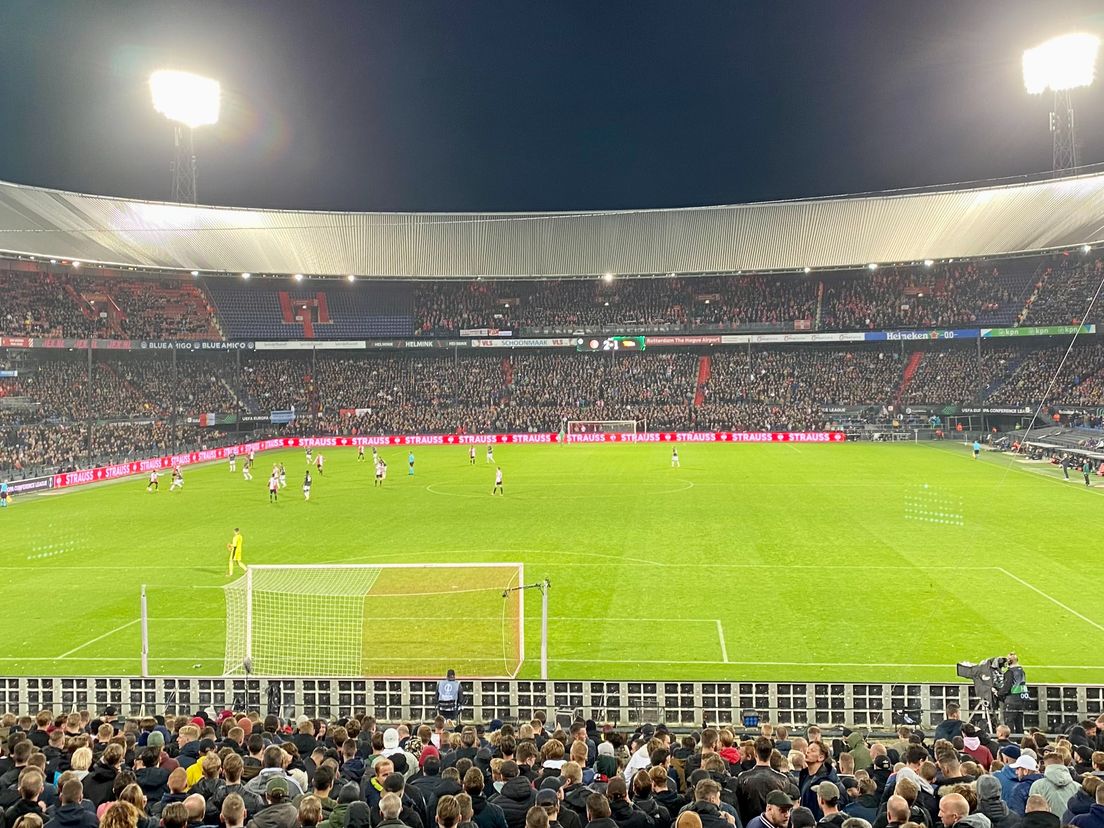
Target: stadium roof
(842,232)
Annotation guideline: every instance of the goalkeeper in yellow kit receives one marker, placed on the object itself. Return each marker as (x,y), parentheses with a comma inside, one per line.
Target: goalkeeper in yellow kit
(235,550)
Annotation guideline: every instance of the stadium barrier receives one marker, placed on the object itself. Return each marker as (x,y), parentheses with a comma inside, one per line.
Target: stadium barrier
(686,704)
(99,474)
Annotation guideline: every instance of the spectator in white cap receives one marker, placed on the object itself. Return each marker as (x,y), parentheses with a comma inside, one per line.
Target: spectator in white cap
(1027,773)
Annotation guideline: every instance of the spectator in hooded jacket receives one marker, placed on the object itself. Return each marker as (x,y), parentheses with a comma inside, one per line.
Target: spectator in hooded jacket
(1056,786)
(1095,816)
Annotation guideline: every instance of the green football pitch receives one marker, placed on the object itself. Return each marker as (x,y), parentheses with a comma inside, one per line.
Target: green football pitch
(852,562)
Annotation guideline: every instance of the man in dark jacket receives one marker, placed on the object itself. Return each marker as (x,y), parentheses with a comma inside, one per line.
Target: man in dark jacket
(100,781)
(30,788)
(409,810)
(707,805)
(1037,814)
(484,814)
(776,811)
(516,797)
(428,783)
(574,793)
(991,804)
(1095,817)
(558,815)
(1027,773)
(152,779)
(817,770)
(279,813)
(232,784)
(390,806)
(598,812)
(70,813)
(177,784)
(752,786)
(951,726)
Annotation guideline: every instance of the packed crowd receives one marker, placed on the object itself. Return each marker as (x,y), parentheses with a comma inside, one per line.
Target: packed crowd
(165,309)
(37,305)
(1037,377)
(728,301)
(196,384)
(30,450)
(795,388)
(242,770)
(945,295)
(1064,292)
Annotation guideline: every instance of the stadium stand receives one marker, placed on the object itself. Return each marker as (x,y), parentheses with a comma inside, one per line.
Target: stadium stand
(294,773)
(1016,291)
(329,309)
(762,388)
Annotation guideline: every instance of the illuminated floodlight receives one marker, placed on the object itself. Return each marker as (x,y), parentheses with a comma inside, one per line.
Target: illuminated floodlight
(298,277)
(1061,63)
(76,264)
(928,262)
(872,266)
(1085,248)
(188,99)
(808,269)
(246,275)
(53,261)
(351,277)
(195,272)
(608,277)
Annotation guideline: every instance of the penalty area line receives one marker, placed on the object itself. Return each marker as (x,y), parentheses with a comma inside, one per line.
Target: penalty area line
(721,636)
(119,628)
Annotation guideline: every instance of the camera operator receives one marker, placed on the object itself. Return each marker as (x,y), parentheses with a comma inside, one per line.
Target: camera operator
(1012,694)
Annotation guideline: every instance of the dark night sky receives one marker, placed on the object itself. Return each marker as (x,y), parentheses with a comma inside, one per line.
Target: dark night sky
(535,104)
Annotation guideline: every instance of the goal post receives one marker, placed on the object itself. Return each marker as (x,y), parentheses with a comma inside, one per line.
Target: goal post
(416,619)
(601,427)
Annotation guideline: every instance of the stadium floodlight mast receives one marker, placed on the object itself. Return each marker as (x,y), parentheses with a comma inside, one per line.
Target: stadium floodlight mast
(1061,65)
(189,101)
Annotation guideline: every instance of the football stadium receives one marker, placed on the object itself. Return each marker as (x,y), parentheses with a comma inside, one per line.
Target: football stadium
(766,512)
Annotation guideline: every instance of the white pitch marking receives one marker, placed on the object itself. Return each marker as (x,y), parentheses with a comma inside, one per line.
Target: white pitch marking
(130,623)
(721,636)
(1050,598)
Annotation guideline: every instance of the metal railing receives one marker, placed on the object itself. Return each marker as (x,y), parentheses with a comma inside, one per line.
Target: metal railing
(679,703)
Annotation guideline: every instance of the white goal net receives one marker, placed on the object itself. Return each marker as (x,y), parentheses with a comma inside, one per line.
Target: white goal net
(601,426)
(376,620)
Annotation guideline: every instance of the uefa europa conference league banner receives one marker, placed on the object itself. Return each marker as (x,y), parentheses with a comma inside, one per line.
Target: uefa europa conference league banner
(549,342)
(101,473)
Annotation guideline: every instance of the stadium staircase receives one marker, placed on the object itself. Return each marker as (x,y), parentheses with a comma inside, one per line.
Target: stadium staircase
(1019,279)
(906,377)
(705,369)
(819,305)
(507,372)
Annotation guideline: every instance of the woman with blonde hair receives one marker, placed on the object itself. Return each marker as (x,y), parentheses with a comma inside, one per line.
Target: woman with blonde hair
(81,762)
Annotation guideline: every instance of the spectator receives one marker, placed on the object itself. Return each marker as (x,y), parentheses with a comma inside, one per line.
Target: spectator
(279,812)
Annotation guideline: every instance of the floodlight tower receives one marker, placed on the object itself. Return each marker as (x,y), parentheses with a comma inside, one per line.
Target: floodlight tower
(1061,65)
(189,101)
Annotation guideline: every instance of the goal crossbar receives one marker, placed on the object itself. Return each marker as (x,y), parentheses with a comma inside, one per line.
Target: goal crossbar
(324,618)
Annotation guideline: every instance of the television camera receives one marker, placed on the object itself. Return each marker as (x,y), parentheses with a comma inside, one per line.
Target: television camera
(986,676)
